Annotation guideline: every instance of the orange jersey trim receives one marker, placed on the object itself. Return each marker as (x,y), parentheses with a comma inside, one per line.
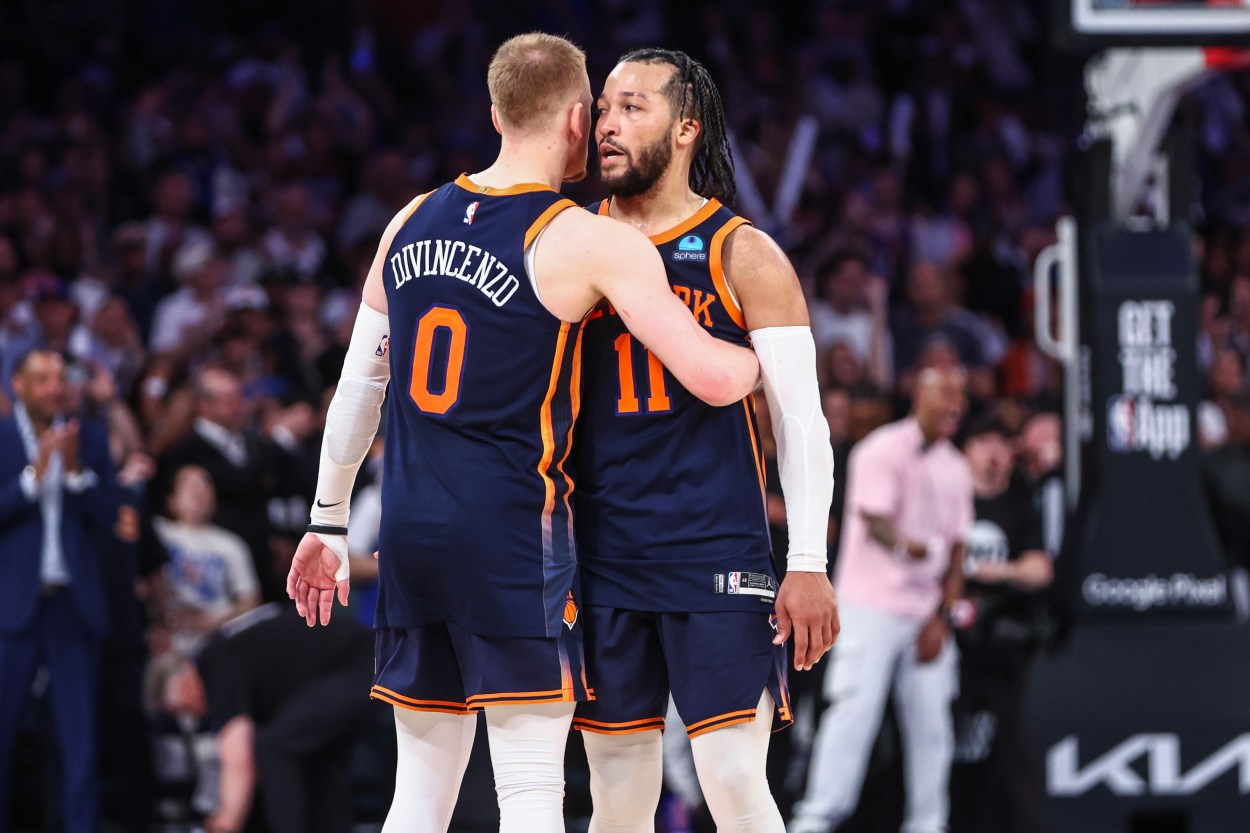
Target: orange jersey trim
(595,730)
(718,271)
(748,714)
(575,394)
(668,235)
(755,445)
(694,733)
(543,219)
(414,205)
(625,724)
(477,702)
(520,188)
(547,429)
(397,699)
(709,208)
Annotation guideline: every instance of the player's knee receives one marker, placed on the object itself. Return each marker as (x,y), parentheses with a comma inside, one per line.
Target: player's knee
(734,788)
(626,777)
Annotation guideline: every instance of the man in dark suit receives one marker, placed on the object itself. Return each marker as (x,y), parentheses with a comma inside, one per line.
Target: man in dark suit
(242,468)
(58,512)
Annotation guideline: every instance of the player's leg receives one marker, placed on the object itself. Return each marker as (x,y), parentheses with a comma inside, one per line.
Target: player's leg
(626,776)
(621,726)
(433,750)
(728,699)
(527,753)
(732,763)
(418,673)
(922,700)
(528,688)
(861,666)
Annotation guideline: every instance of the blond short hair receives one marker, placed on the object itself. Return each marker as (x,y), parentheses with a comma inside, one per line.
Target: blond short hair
(533,76)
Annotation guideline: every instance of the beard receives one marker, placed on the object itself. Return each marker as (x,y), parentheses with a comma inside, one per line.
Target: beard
(643,172)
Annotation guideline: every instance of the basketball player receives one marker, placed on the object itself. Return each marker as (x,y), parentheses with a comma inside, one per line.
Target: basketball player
(487,281)
(675,552)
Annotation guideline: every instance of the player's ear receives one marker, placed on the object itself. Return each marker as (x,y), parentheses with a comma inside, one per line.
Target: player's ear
(494,119)
(578,121)
(688,131)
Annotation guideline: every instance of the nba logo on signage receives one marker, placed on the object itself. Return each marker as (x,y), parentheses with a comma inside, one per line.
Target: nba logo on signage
(1120,419)
(1146,416)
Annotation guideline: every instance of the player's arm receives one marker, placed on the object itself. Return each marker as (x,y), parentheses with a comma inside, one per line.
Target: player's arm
(772,302)
(609,259)
(320,566)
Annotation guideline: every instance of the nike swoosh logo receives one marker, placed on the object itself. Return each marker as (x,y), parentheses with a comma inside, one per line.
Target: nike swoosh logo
(321,505)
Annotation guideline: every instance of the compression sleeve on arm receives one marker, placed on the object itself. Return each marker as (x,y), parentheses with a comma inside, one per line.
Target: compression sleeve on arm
(353,417)
(804,456)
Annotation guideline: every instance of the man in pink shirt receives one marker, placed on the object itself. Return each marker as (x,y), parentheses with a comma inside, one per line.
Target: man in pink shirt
(909,506)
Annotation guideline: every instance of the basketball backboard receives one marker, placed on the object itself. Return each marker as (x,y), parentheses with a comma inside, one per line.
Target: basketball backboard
(1103,23)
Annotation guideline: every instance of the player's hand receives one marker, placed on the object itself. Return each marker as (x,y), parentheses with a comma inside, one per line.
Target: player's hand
(318,570)
(931,639)
(807,608)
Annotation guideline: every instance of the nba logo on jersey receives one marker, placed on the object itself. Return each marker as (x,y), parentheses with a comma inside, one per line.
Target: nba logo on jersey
(383,346)
(734,580)
(1121,423)
(469,212)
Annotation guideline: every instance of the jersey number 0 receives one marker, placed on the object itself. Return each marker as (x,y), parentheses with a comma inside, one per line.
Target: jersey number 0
(452,322)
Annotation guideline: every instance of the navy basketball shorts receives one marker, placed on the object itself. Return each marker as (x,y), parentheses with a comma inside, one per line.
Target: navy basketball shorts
(716,666)
(441,667)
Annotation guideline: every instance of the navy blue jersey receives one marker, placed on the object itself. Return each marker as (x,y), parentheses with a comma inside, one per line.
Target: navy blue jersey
(476,525)
(670,505)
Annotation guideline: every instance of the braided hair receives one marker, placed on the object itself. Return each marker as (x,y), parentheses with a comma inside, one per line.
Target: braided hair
(693,95)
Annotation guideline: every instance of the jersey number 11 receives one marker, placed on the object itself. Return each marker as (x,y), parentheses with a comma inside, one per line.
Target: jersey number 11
(658,401)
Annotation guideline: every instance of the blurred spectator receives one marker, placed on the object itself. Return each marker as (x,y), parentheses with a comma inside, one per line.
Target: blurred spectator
(851,308)
(996,782)
(55,312)
(170,228)
(135,592)
(930,316)
(240,465)
(285,702)
(900,567)
(1041,460)
(186,321)
(292,243)
(59,499)
(211,579)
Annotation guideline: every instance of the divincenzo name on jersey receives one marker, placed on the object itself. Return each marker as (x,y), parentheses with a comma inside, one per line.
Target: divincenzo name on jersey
(455,259)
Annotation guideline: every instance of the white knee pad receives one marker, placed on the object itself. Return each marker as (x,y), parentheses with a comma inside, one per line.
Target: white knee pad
(626,772)
(433,751)
(731,763)
(527,752)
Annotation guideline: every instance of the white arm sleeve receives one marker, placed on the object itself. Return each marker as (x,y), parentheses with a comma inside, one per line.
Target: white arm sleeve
(353,417)
(804,456)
